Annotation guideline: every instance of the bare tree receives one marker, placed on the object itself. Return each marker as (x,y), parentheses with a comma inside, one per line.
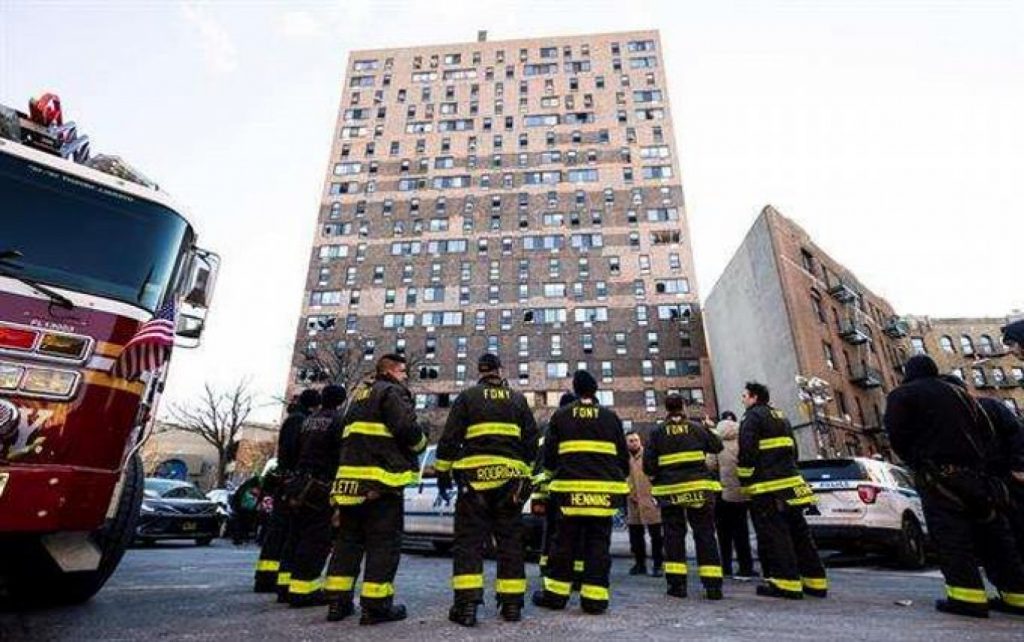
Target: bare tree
(343,362)
(217,417)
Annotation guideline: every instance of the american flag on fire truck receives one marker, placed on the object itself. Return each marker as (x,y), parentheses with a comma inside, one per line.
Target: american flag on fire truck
(149,348)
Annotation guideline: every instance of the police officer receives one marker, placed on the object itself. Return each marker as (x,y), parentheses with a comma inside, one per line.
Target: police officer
(308,497)
(268,575)
(766,467)
(675,461)
(489,443)
(542,494)
(943,435)
(585,452)
(380,445)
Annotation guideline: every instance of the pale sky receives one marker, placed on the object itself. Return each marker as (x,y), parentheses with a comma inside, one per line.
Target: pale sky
(892,131)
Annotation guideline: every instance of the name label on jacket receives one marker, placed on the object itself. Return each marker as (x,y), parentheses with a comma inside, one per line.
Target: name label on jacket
(497,394)
(584,412)
(602,500)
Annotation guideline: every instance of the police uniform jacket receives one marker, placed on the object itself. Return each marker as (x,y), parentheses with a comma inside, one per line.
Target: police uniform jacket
(675,459)
(586,458)
(490,436)
(766,462)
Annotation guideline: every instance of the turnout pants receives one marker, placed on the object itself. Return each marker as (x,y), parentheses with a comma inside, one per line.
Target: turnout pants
(552,518)
(789,558)
(478,515)
(268,565)
(311,539)
(734,534)
(701,519)
(638,544)
(966,541)
(589,538)
(372,530)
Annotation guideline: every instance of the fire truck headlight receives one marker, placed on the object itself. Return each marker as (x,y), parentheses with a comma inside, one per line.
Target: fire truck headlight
(10,376)
(63,346)
(49,382)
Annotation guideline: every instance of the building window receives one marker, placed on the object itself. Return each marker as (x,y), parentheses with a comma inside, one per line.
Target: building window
(819,310)
(557,369)
(978,374)
(966,346)
(985,345)
(946,343)
(650,400)
(620,343)
(917,345)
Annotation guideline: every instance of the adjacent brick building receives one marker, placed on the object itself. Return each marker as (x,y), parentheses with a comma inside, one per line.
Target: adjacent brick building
(521,197)
(783,308)
(973,350)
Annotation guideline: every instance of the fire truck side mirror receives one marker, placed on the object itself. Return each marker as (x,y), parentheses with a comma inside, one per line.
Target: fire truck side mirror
(189,328)
(205,267)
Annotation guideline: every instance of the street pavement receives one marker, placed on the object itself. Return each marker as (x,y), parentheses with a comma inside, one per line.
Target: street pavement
(182,592)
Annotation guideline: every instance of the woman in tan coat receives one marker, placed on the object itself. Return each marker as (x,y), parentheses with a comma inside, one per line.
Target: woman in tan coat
(731,512)
(642,512)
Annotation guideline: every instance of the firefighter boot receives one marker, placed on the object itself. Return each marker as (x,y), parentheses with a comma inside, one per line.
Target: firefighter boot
(676,589)
(338,610)
(316,598)
(961,608)
(713,592)
(373,616)
(511,611)
(547,600)
(463,613)
(999,604)
(770,590)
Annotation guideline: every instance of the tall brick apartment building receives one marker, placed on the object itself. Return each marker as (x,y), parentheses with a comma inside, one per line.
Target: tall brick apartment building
(521,197)
(782,308)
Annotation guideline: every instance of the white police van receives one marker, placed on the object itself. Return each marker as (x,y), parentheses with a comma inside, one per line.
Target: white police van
(866,505)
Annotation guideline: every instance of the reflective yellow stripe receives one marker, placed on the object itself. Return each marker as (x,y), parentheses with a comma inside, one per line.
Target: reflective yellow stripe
(420,445)
(542,477)
(801,501)
(466,582)
(442,465)
(284,579)
(543,560)
(793,586)
(675,568)
(816,583)
(510,586)
(709,571)
(303,587)
(775,442)
(489,485)
(594,592)
(373,473)
(685,487)
(974,596)
(577,566)
(589,486)
(375,590)
(775,484)
(587,446)
(479,461)
(744,472)
(1013,599)
(366,428)
(347,500)
(558,588)
(493,428)
(271,566)
(684,457)
(339,583)
(588,512)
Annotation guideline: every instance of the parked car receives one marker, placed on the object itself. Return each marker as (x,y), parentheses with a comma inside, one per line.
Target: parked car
(866,505)
(176,510)
(430,519)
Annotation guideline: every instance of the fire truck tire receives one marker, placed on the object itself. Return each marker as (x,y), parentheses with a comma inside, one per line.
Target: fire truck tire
(50,585)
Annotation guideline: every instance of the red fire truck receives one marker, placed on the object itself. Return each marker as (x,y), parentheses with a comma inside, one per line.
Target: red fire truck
(90,251)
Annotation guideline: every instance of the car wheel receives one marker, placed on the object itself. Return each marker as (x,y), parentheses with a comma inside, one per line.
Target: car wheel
(204,541)
(911,552)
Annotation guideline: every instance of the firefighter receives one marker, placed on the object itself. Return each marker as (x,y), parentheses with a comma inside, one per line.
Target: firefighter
(488,446)
(943,435)
(675,461)
(585,454)
(380,446)
(268,575)
(308,499)
(541,494)
(766,467)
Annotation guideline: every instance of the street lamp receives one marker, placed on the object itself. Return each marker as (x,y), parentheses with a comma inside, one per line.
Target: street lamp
(815,394)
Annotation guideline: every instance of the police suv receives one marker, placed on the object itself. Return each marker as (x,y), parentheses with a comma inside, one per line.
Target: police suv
(866,505)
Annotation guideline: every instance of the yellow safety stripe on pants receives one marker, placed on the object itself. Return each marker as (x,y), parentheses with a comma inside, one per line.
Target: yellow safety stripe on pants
(570,511)
(675,568)
(339,583)
(816,583)
(801,501)
(684,457)
(594,592)
(347,500)
(489,485)
(793,586)
(376,590)
(577,566)
(775,484)
(686,487)
(493,428)
(775,442)
(373,473)
(589,486)
(284,579)
(513,587)
(442,465)
(467,582)
(973,596)
(370,428)
(587,446)
(421,445)
(558,588)
(709,571)
(479,461)
(538,496)
(270,566)
(1013,599)
(303,587)
(744,472)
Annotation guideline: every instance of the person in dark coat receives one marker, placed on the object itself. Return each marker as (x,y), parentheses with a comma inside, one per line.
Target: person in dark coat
(1013,336)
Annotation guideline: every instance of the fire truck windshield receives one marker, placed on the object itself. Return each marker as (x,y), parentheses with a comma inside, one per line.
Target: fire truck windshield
(82,236)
